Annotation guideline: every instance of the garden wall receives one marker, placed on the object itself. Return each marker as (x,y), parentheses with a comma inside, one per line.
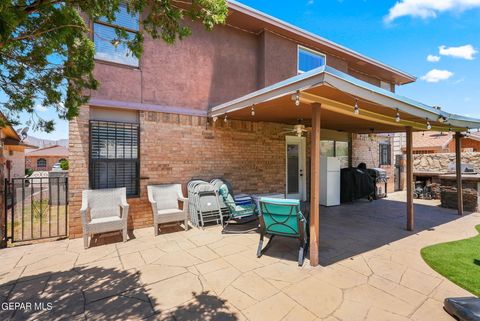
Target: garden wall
(439,162)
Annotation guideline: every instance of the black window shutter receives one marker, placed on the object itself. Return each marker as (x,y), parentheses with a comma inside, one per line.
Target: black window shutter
(114,156)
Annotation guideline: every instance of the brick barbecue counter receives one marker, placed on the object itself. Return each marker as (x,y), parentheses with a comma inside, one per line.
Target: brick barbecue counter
(471,190)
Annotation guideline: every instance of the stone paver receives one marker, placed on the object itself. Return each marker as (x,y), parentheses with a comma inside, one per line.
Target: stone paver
(367,274)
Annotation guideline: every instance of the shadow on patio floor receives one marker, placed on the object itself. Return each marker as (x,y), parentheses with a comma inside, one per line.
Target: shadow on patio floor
(95,293)
(361,226)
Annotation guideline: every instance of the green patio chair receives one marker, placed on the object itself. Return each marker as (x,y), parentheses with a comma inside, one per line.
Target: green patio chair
(282,217)
(241,211)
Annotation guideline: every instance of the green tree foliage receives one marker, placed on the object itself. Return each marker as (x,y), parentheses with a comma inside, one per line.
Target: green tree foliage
(46,51)
(28,171)
(64,164)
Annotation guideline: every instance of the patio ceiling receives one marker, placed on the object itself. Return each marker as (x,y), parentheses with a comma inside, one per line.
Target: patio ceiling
(337,93)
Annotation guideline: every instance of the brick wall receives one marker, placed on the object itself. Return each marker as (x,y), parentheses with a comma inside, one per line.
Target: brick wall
(365,149)
(31,162)
(176,148)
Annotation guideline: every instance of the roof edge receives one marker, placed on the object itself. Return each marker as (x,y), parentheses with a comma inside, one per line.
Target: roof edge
(235,5)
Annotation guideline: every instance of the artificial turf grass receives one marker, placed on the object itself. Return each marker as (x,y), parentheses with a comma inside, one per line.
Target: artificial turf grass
(458,261)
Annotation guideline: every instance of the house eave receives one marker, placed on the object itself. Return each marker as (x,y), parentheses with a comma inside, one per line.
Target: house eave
(327,76)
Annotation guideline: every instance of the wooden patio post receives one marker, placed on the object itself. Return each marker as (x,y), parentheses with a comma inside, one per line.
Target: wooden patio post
(458,171)
(315,185)
(350,150)
(409,180)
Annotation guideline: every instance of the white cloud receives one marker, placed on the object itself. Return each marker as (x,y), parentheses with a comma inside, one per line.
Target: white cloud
(433,58)
(428,8)
(464,52)
(436,75)
(40,108)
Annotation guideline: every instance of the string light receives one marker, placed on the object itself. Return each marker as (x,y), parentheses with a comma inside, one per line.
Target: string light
(297,98)
(253,111)
(429,126)
(397,117)
(225,119)
(356,110)
(215,119)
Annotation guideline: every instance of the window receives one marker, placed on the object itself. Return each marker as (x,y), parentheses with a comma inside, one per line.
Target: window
(335,148)
(41,163)
(327,148)
(114,151)
(309,59)
(104,36)
(385,154)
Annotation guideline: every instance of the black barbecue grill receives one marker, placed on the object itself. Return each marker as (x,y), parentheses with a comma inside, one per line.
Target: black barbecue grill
(380,177)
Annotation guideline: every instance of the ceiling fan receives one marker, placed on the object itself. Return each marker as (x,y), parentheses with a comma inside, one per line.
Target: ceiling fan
(298,129)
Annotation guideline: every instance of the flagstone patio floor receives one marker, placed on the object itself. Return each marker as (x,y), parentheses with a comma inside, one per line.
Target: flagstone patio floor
(371,270)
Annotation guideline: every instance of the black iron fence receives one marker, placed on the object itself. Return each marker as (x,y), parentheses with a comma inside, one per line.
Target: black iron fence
(36,208)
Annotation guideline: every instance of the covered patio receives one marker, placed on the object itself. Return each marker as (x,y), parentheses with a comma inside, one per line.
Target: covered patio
(371,270)
(325,98)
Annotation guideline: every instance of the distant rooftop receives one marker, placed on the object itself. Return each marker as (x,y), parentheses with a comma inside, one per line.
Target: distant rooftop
(55,150)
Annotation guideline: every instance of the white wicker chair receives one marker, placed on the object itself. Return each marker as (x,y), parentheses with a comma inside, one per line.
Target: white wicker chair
(165,209)
(108,211)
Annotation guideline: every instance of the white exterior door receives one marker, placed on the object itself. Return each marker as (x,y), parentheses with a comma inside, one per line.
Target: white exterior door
(295,167)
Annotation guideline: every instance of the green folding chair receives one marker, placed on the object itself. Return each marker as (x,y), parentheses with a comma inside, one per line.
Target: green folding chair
(282,217)
(241,210)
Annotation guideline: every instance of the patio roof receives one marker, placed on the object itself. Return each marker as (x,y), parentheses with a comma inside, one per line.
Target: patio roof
(337,92)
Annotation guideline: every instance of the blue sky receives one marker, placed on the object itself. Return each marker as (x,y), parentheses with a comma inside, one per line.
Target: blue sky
(414,30)
(399,33)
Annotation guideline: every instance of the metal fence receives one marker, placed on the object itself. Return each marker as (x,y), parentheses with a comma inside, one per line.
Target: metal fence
(36,208)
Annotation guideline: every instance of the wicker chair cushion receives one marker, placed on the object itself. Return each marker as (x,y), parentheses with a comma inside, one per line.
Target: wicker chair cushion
(166,196)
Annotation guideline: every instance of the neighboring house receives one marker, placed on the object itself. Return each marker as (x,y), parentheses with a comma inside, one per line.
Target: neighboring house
(41,142)
(443,142)
(43,159)
(12,161)
(218,104)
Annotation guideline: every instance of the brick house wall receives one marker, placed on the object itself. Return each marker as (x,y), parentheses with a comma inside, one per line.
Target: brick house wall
(472,144)
(249,154)
(365,149)
(172,89)
(31,162)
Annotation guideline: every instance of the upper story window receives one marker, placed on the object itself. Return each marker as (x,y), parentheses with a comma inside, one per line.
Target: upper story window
(104,37)
(309,59)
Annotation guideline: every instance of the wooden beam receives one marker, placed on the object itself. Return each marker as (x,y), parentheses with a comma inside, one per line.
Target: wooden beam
(458,171)
(315,186)
(350,150)
(409,180)
(345,109)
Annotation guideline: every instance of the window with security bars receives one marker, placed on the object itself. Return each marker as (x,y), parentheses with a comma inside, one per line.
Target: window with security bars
(385,154)
(114,156)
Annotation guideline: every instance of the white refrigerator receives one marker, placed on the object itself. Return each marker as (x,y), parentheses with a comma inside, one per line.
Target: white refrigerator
(329,181)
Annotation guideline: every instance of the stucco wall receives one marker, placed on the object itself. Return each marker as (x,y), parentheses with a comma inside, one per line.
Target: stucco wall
(17,159)
(277,59)
(205,69)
